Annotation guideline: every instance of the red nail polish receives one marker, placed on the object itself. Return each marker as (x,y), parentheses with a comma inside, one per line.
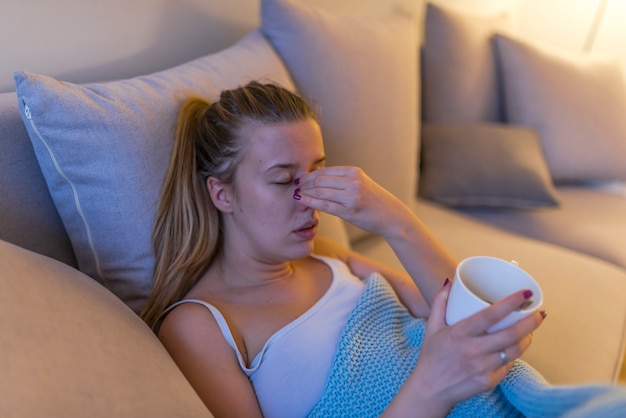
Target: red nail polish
(543,314)
(446,282)
(296,181)
(528,294)
(297,196)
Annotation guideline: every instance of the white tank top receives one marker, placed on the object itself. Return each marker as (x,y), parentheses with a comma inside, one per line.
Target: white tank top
(290,372)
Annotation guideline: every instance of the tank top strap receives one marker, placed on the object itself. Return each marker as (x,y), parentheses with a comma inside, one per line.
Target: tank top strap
(221,322)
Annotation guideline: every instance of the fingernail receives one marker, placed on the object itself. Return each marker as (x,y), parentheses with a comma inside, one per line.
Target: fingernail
(528,294)
(446,282)
(296,181)
(543,314)
(297,196)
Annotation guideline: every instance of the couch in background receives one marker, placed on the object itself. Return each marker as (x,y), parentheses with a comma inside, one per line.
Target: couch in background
(81,167)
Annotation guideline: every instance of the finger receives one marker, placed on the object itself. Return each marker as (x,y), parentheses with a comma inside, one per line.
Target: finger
(323,205)
(330,171)
(515,351)
(526,325)
(480,322)
(501,371)
(437,318)
(317,180)
(516,338)
(327,188)
(334,194)
(521,331)
(508,355)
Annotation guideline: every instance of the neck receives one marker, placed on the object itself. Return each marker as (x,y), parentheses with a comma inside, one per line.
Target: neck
(237,270)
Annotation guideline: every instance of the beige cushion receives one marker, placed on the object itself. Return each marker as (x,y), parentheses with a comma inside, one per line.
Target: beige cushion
(28,216)
(582,339)
(484,165)
(575,102)
(361,72)
(459,81)
(70,348)
(590,221)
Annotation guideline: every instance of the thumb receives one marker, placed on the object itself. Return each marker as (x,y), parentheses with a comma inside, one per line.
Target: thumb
(437,318)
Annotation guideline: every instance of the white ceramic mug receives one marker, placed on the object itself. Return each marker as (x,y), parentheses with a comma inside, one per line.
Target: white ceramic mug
(480,281)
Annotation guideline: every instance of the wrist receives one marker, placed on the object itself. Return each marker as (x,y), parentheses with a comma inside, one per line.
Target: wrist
(401,225)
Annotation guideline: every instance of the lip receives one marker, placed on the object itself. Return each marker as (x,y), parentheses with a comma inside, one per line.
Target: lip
(307,231)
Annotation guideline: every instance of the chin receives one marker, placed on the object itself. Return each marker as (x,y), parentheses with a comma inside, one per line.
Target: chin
(304,249)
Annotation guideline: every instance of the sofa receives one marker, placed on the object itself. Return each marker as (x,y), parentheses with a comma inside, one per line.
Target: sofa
(81,166)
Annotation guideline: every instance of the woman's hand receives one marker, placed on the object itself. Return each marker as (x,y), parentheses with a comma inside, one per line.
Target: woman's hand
(460,361)
(347,192)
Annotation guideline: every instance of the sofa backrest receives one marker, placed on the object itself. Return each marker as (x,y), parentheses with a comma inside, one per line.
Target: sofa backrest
(28,217)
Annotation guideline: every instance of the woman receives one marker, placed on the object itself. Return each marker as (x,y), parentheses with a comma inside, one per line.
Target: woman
(244,300)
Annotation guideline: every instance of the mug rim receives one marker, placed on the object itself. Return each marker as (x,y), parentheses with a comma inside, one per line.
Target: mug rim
(537,291)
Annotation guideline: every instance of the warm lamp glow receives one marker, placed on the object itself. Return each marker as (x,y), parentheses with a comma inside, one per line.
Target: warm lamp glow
(578,25)
(595,26)
(611,35)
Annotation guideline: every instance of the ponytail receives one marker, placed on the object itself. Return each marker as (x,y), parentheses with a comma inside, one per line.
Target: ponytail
(187,223)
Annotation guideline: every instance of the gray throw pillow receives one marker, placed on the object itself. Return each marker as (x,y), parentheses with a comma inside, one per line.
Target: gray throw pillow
(575,102)
(459,76)
(484,165)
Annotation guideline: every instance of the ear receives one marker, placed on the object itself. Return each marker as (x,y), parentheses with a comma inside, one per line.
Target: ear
(220,194)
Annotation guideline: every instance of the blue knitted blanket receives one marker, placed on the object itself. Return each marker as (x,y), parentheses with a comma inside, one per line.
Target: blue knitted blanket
(380,347)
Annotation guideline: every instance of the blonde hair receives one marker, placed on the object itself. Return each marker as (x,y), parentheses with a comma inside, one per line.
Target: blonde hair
(209,142)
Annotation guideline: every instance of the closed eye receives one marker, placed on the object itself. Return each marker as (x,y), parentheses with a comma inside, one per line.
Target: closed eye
(284,180)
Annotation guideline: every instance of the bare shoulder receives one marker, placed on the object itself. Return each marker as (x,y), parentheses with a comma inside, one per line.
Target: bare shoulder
(188,323)
(194,340)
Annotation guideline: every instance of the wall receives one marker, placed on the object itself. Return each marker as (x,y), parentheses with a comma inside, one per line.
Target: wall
(87,40)
(566,23)
(92,40)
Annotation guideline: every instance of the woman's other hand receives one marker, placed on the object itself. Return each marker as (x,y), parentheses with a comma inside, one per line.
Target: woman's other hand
(460,361)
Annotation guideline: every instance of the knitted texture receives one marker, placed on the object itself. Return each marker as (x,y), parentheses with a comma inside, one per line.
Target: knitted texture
(380,347)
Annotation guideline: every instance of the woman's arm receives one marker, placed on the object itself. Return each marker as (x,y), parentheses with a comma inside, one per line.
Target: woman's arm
(192,337)
(349,193)
(456,362)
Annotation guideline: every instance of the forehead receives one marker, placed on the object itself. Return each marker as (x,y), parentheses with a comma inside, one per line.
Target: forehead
(284,142)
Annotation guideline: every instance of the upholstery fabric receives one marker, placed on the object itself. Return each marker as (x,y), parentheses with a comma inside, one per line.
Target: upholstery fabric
(71,348)
(575,102)
(484,165)
(588,220)
(28,217)
(361,73)
(104,148)
(459,73)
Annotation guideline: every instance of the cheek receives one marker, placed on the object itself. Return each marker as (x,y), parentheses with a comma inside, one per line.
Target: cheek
(266,202)
(278,204)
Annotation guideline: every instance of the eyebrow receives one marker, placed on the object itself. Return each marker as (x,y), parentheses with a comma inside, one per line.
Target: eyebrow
(288,165)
